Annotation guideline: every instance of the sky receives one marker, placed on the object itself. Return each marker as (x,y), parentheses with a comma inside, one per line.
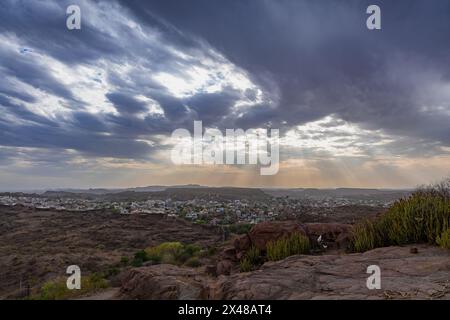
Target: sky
(96,107)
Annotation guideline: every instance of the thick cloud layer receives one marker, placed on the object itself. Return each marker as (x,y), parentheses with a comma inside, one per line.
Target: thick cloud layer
(137,70)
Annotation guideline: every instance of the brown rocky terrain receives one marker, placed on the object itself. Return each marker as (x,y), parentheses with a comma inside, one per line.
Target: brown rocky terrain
(37,245)
(404,275)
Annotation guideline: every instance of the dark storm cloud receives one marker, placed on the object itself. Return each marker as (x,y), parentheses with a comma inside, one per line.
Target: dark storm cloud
(125,103)
(173,107)
(211,107)
(26,70)
(89,143)
(21,112)
(323,59)
(310,58)
(41,24)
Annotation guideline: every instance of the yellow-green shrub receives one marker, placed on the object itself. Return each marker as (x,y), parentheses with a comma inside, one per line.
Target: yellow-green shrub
(245,265)
(251,260)
(287,246)
(57,289)
(168,252)
(423,217)
(444,239)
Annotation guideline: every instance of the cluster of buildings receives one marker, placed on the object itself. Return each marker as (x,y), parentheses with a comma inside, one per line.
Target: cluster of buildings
(196,210)
(200,211)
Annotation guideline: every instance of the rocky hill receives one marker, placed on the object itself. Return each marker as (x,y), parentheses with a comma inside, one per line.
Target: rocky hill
(404,275)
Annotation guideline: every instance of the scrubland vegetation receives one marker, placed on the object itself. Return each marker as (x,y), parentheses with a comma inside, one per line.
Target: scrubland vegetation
(424,217)
(276,250)
(171,253)
(57,289)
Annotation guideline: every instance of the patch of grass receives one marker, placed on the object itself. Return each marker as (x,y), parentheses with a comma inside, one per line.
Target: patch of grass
(424,217)
(251,260)
(365,236)
(193,262)
(444,239)
(124,261)
(287,246)
(57,289)
(245,265)
(168,252)
(211,251)
(139,258)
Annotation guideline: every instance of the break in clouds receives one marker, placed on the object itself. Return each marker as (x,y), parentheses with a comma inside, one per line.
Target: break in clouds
(96,106)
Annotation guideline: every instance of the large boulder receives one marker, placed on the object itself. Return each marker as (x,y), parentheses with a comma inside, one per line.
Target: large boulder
(162,281)
(405,275)
(422,275)
(335,235)
(242,243)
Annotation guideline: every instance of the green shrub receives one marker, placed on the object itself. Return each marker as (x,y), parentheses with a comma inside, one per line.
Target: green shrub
(365,236)
(253,255)
(212,251)
(444,239)
(251,260)
(245,265)
(112,271)
(421,218)
(124,261)
(193,262)
(192,249)
(57,289)
(168,252)
(288,246)
(139,258)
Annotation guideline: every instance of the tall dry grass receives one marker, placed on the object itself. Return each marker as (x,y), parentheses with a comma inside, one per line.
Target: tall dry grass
(424,217)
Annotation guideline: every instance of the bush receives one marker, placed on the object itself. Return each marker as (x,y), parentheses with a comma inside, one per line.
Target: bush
(287,246)
(444,239)
(124,261)
(211,251)
(254,255)
(166,252)
(57,289)
(139,258)
(365,236)
(245,265)
(423,217)
(251,260)
(193,262)
(169,252)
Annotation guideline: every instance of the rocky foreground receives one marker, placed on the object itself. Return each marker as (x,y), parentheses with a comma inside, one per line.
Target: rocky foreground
(406,273)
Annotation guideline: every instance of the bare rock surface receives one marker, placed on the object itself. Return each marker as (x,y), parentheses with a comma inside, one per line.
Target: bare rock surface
(162,281)
(423,275)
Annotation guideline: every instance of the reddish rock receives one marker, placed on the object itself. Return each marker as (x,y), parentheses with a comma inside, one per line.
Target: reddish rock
(333,234)
(404,276)
(229,253)
(340,276)
(224,267)
(242,243)
(162,281)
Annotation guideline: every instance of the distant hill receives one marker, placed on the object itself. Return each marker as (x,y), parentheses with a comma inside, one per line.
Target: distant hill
(359,193)
(187,192)
(180,193)
(114,190)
